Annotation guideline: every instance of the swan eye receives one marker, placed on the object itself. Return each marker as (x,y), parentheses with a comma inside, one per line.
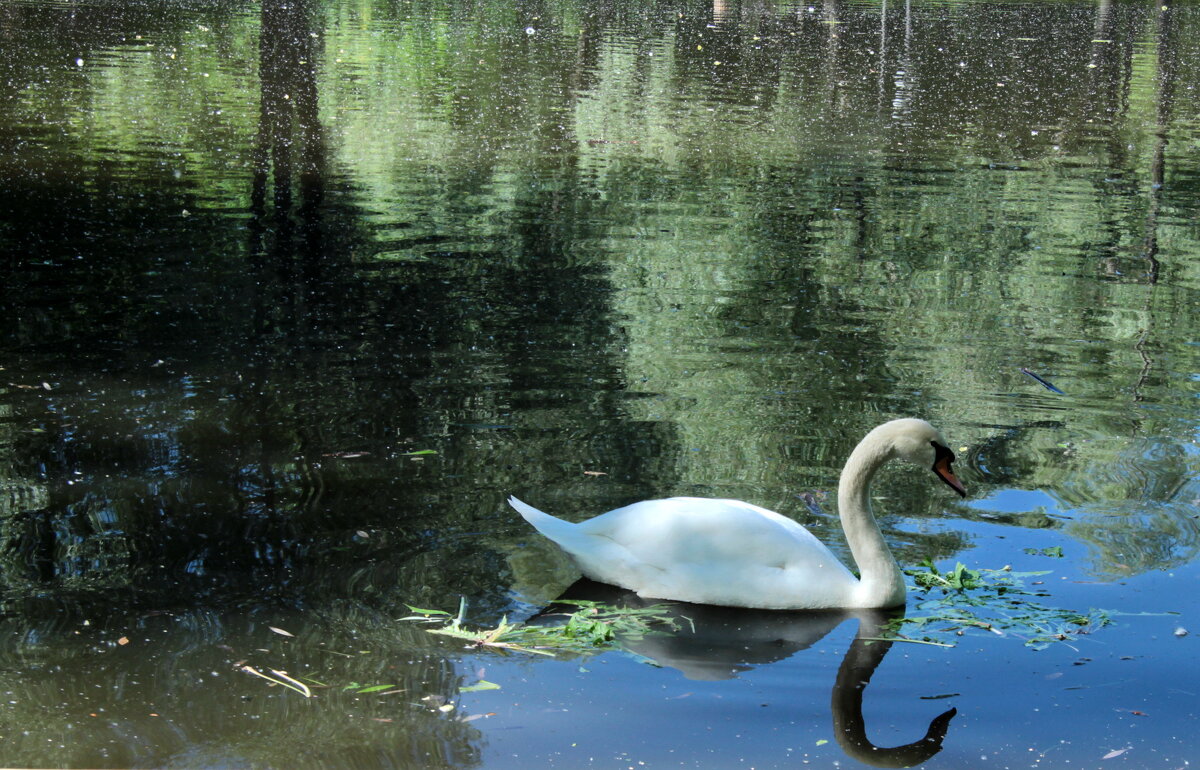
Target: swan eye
(940,451)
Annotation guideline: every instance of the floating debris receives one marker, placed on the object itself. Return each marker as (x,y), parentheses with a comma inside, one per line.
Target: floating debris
(280,678)
(591,627)
(811,501)
(1044,383)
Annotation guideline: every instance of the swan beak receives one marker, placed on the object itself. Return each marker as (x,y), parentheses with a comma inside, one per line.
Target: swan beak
(941,466)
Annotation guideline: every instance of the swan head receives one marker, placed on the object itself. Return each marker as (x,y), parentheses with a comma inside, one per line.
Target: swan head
(917,442)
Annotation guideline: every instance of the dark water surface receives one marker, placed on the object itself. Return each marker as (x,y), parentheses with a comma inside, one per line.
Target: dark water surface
(294,294)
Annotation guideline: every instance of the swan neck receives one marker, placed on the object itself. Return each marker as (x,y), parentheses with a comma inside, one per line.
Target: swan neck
(881,584)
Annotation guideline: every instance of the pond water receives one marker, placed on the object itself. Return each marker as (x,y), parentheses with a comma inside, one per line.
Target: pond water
(296,293)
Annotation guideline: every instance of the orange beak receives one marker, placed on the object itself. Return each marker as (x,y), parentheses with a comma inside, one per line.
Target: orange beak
(941,466)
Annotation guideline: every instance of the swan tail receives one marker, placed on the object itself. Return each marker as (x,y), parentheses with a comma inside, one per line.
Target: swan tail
(556,529)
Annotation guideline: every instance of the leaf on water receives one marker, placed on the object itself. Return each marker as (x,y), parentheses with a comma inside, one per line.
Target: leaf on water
(427,612)
(375,688)
(594,473)
(1115,753)
(822,741)
(446,708)
(419,453)
(280,631)
(1054,551)
(283,680)
(300,687)
(482,684)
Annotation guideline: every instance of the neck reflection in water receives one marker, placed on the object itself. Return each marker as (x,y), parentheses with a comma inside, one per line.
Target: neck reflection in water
(715,643)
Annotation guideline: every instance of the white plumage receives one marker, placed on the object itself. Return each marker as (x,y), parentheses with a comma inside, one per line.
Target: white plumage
(727,552)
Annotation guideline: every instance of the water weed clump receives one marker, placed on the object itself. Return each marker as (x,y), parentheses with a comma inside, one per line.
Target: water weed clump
(997,601)
(589,628)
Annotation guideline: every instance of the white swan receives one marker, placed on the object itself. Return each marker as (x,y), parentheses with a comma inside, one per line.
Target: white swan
(731,553)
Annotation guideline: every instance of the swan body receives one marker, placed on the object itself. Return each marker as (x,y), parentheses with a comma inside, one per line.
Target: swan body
(727,552)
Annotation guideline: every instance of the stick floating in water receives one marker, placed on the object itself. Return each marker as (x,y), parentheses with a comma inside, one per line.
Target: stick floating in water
(1047,385)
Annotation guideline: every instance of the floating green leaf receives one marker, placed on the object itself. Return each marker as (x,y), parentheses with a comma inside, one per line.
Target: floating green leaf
(1054,551)
(424,614)
(960,579)
(482,684)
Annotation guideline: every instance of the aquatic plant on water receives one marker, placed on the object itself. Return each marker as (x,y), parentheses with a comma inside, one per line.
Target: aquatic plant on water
(944,606)
(590,628)
(997,601)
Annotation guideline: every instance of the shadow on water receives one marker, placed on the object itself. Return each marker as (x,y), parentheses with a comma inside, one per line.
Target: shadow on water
(716,643)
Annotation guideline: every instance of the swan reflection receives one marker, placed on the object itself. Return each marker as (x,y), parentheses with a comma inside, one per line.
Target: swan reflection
(716,643)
